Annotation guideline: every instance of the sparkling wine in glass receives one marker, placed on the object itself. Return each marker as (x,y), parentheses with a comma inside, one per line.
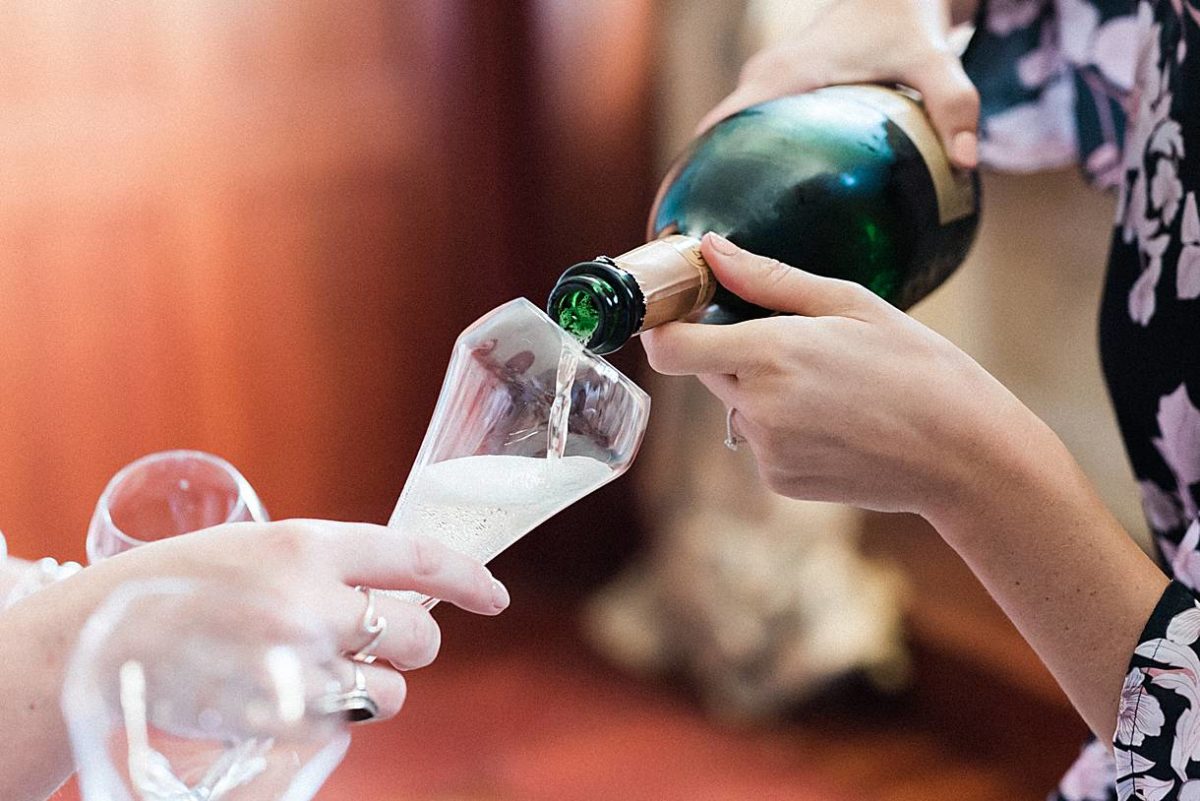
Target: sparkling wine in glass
(166,494)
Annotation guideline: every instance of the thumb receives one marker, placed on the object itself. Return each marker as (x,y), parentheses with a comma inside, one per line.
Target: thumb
(741,98)
(952,102)
(777,286)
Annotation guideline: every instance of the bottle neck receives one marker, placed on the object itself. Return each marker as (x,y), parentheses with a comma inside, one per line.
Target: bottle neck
(607,301)
(598,304)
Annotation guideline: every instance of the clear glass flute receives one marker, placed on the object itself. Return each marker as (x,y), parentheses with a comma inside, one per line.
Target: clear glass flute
(167,494)
(528,422)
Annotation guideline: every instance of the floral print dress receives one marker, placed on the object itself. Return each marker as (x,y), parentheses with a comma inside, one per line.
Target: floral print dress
(1114,85)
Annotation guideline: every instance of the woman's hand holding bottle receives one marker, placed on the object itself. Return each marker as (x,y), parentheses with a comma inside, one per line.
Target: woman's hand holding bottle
(847,399)
(863,41)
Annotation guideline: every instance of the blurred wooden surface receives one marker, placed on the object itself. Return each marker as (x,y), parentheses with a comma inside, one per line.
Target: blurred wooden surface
(518,709)
(255,229)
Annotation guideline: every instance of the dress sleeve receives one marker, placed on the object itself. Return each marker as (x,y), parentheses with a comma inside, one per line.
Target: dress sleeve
(1053,76)
(1157,740)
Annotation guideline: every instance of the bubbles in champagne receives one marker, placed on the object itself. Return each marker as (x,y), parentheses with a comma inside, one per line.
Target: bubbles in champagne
(479,505)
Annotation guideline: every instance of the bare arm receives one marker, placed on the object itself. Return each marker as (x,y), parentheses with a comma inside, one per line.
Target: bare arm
(37,636)
(1032,529)
(849,400)
(314,564)
(12,570)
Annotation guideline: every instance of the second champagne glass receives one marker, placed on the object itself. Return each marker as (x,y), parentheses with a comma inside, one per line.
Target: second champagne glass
(167,494)
(181,690)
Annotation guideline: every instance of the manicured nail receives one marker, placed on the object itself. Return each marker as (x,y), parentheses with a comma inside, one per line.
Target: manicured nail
(722,245)
(964,149)
(500,598)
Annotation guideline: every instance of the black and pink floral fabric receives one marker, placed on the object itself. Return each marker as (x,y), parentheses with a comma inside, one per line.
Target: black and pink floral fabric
(1114,86)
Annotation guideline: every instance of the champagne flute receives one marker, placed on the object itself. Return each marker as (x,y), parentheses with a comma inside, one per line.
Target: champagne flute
(166,494)
(182,690)
(527,423)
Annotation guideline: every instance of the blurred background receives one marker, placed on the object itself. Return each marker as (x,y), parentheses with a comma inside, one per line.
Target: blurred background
(255,228)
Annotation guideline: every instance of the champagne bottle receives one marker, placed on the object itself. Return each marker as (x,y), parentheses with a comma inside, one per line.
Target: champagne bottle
(846,181)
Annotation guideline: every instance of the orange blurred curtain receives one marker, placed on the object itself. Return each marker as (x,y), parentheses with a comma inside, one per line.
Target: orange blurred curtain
(255,228)
(227,226)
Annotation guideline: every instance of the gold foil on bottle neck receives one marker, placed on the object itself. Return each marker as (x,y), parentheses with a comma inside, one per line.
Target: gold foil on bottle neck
(674,279)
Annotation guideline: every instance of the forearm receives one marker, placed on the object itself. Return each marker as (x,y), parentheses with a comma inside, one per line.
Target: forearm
(12,570)
(1077,587)
(37,637)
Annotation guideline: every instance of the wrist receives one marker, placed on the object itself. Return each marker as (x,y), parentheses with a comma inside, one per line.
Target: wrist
(1000,462)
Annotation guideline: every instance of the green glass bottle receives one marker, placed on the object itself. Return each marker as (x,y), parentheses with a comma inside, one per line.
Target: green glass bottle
(846,181)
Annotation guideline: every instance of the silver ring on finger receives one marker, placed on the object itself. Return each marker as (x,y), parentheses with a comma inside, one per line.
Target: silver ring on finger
(355,704)
(373,626)
(732,439)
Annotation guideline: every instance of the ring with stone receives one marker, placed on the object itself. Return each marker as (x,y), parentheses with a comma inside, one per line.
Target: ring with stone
(732,438)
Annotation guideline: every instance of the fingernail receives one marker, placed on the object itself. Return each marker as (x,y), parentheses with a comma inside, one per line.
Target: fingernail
(500,598)
(964,149)
(722,245)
